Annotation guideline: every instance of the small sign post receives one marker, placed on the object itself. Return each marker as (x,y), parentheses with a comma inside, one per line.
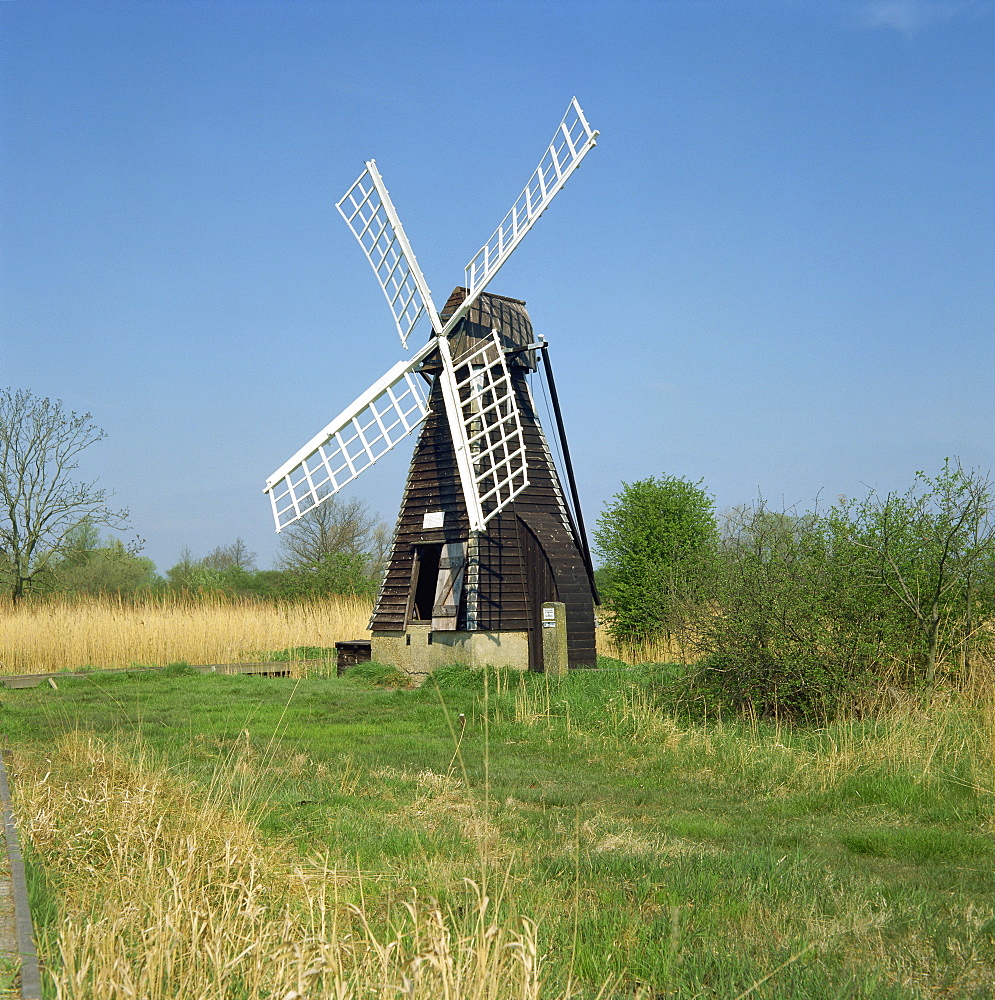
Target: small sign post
(554,638)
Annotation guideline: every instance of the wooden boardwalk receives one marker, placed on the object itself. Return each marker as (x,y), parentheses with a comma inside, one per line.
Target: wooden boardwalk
(16,933)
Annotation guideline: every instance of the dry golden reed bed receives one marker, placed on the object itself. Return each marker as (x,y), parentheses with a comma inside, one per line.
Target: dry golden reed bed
(69,633)
(651,651)
(72,632)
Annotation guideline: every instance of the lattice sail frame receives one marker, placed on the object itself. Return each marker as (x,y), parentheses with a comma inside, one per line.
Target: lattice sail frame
(370,214)
(363,432)
(482,415)
(486,429)
(573,140)
(479,397)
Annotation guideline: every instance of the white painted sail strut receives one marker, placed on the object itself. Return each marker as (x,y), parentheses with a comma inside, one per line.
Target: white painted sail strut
(363,432)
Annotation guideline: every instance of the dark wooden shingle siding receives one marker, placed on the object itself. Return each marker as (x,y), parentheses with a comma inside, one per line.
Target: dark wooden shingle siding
(504,603)
(432,485)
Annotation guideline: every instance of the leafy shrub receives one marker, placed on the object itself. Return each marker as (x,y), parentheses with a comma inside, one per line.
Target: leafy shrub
(797,685)
(656,539)
(800,615)
(778,638)
(340,573)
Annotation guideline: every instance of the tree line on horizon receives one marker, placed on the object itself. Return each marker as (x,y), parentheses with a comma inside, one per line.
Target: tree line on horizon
(339,548)
(51,522)
(790,613)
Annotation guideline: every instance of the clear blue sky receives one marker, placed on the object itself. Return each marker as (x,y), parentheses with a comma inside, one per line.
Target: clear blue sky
(775,272)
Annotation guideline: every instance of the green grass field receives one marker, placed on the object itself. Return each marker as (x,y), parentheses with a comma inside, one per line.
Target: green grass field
(662,851)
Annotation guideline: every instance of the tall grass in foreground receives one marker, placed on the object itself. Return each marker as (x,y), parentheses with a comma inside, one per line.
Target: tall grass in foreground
(72,632)
(906,752)
(759,859)
(164,893)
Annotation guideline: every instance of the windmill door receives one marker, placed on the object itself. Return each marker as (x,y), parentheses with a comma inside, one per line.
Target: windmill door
(449,586)
(540,586)
(437,584)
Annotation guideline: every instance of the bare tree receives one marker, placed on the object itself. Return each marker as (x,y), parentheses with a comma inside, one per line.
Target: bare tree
(234,556)
(380,550)
(40,501)
(330,528)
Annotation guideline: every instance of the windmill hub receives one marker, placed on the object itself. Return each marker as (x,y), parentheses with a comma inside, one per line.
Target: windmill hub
(486,535)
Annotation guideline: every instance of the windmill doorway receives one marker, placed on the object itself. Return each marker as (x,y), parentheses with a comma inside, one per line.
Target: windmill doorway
(540,587)
(426,577)
(437,584)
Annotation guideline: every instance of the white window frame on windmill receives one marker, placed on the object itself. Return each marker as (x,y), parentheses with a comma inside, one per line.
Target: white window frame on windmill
(374,221)
(472,407)
(486,429)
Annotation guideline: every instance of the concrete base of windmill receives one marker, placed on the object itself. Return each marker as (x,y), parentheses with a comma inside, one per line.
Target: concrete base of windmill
(419,651)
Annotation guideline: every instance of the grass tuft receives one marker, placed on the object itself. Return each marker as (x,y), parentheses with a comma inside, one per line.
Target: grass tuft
(167,892)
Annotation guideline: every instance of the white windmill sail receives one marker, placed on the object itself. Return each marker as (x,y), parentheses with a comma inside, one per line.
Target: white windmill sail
(370,214)
(486,429)
(479,398)
(483,419)
(363,432)
(573,140)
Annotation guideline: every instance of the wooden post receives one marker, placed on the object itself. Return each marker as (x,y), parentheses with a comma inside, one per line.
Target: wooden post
(554,638)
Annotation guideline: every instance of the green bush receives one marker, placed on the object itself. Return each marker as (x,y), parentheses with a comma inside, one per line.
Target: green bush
(339,573)
(805,614)
(775,638)
(92,565)
(796,685)
(656,539)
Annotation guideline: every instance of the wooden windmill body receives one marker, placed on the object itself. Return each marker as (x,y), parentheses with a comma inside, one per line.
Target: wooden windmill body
(450,593)
(486,534)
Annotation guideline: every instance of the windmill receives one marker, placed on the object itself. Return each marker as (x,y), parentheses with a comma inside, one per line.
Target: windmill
(486,533)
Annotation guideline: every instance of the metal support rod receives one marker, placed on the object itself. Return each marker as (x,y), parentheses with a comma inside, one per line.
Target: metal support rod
(555,400)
